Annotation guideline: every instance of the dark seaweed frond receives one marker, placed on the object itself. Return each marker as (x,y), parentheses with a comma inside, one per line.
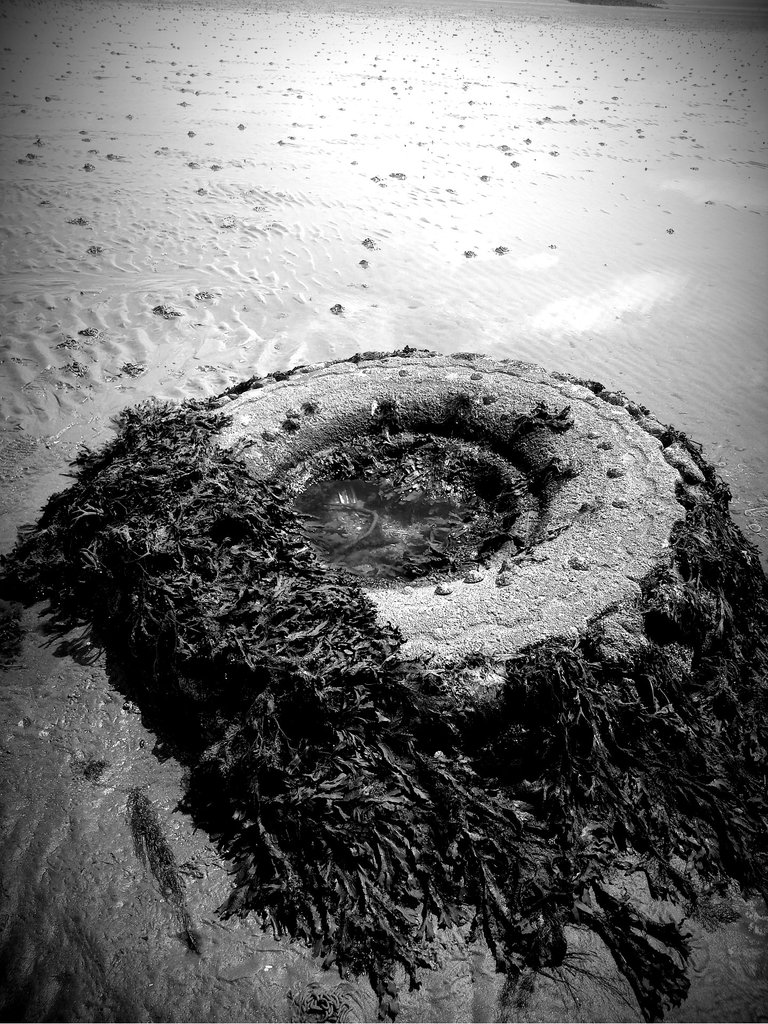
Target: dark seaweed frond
(152,849)
(10,632)
(91,768)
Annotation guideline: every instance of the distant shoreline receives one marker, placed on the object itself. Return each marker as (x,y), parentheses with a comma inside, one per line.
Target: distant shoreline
(616,3)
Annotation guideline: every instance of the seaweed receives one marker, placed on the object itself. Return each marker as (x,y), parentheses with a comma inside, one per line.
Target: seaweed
(364,802)
(90,768)
(152,849)
(10,632)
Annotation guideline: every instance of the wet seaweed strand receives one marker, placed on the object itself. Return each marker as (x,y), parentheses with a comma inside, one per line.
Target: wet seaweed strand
(152,849)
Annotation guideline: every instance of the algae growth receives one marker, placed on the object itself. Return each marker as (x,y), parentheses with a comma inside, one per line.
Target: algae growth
(365,806)
(152,849)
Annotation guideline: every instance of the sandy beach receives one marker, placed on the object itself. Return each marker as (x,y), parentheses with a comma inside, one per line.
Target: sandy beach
(193,193)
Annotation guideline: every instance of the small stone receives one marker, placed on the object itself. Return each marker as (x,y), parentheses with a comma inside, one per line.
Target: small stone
(338,309)
(133,369)
(617,398)
(679,458)
(75,368)
(505,579)
(364,264)
(474,577)
(476,376)
(166,311)
(88,167)
(577,562)
(443,590)
(588,507)
(615,471)
(652,426)
(524,529)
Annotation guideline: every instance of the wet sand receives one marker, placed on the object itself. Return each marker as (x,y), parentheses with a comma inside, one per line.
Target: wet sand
(582,186)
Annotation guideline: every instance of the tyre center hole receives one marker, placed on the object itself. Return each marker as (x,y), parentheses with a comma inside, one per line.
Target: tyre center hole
(411,507)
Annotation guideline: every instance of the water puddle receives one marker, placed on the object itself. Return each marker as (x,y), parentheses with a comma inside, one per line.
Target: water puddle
(377,530)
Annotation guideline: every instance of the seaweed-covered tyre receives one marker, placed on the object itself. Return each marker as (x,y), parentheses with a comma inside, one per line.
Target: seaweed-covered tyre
(598,498)
(430,631)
